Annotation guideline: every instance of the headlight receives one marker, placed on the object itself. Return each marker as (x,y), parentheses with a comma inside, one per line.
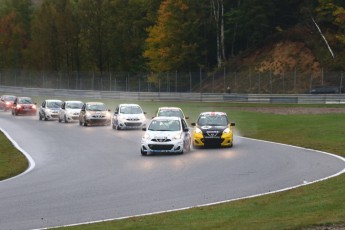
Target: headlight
(147,136)
(87,114)
(108,115)
(121,118)
(142,117)
(226,131)
(19,106)
(48,111)
(34,106)
(8,103)
(177,136)
(198,131)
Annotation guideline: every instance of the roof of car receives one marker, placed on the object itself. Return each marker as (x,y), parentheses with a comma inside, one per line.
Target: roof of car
(129,105)
(169,108)
(73,101)
(53,100)
(94,102)
(166,118)
(213,114)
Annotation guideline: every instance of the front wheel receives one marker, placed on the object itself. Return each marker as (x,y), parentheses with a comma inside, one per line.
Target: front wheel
(143,153)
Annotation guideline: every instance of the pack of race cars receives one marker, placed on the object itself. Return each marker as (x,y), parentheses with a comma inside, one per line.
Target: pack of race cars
(166,132)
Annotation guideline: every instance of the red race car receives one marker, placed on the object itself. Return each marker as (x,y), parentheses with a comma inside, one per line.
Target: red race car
(24,105)
(6,102)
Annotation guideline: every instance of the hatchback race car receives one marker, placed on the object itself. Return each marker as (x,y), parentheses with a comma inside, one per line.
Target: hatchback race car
(213,129)
(24,105)
(49,109)
(94,113)
(69,111)
(171,112)
(166,135)
(6,102)
(128,116)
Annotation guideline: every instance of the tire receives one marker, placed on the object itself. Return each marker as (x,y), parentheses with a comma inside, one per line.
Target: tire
(84,123)
(60,119)
(39,116)
(143,153)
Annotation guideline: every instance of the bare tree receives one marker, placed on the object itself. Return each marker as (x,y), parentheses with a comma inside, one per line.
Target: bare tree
(217,7)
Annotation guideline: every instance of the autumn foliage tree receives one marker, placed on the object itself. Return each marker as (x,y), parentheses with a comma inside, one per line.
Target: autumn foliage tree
(174,42)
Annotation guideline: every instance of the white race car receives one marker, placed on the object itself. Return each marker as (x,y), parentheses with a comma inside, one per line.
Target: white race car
(128,116)
(70,111)
(166,135)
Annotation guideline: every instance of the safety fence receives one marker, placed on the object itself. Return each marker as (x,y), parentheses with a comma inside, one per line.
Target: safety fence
(172,96)
(222,81)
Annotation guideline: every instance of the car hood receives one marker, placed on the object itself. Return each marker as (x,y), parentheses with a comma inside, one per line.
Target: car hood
(73,110)
(97,112)
(162,134)
(205,128)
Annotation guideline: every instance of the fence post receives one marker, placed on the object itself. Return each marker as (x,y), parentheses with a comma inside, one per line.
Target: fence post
(190,82)
(224,74)
(271,82)
(200,79)
(341,89)
(175,81)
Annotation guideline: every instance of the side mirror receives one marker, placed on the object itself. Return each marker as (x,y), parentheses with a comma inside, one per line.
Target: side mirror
(186,117)
(186,130)
(193,124)
(232,124)
(144,112)
(144,129)
(109,110)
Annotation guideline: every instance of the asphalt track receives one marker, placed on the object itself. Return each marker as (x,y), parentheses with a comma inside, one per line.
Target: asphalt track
(86,174)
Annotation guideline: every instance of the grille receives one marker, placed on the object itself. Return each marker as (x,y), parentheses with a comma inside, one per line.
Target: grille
(133,123)
(161,140)
(161,147)
(211,134)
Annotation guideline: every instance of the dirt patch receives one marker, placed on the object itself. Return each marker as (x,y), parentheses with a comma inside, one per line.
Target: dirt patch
(295,110)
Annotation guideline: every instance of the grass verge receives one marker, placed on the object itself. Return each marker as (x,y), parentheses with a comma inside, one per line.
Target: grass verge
(12,161)
(317,204)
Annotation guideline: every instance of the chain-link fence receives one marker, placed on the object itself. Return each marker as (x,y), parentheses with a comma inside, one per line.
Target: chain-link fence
(222,81)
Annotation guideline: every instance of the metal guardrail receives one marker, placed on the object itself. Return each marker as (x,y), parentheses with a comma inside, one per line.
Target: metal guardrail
(173,96)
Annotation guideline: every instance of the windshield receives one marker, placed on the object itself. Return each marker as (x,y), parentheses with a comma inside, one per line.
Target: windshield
(54,104)
(170,113)
(25,100)
(130,110)
(9,98)
(217,120)
(74,105)
(165,125)
(95,107)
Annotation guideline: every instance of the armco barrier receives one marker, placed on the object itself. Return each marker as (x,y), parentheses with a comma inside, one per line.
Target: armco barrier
(177,96)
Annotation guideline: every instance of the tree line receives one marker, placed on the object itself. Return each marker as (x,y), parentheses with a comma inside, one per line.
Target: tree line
(150,35)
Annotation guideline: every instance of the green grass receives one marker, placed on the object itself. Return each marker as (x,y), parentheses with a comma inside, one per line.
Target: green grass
(322,203)
(12,161)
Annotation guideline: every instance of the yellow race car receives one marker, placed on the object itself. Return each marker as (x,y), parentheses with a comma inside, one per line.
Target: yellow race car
(213,129)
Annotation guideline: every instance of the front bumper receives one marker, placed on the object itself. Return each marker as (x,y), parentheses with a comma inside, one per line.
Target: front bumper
(97,121)
(129,124)
(52,115)
(174,146)
(72,117)
(226,140)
